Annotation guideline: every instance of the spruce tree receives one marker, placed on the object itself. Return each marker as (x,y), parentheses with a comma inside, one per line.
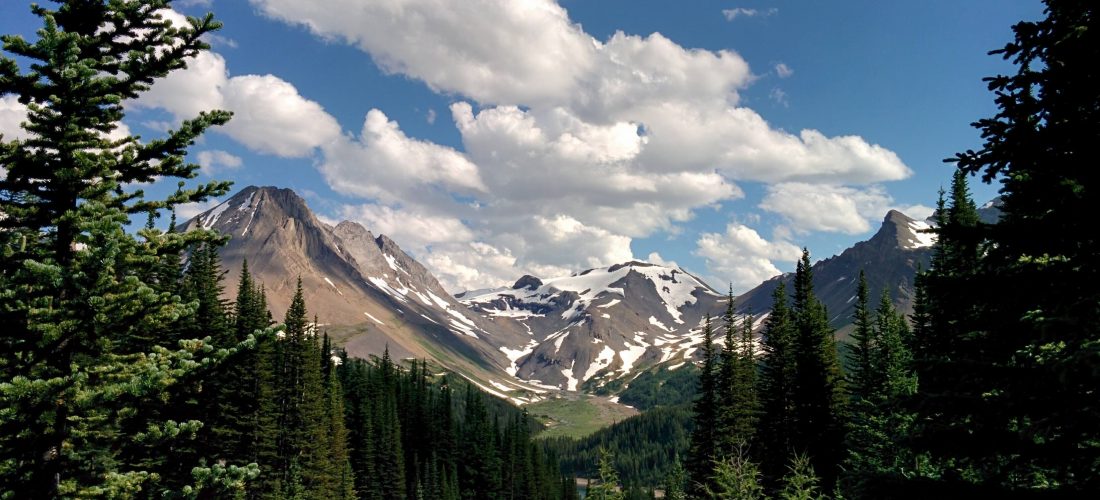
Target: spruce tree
(777,424)
(703,440)
(1023,346)
(82,358)
(608,486)
(818,384)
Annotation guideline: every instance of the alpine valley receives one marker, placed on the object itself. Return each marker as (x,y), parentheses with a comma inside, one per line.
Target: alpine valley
(593,332)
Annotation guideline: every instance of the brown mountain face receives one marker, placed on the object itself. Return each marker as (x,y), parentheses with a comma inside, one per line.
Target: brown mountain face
(593,330)
(364,289)
(889,259)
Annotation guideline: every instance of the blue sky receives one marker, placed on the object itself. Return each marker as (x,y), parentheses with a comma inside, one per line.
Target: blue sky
(494,138)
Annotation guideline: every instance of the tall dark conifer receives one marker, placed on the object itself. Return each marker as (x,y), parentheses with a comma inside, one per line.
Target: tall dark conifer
(703,440)
(777,424)
(82,358)
(1023,346)
(818,379)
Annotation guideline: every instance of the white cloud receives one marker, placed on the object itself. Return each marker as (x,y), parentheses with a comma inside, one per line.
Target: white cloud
(430,117)
(918,211)
(822,207)
(213,160)
(655,258)
(491,50)
(385,164)
(186,211)
(743,258)
(413,230)
(783,71)
(12,113)
(576,147)
(269,116)
(734,13)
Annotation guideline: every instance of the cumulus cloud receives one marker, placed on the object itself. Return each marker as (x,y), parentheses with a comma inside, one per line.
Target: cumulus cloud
(385,164)
(783,71)
(269,115)
(12,114)
(743,258)
(491,50)
(214,160)
(818,207)
(571,146)
(186,211)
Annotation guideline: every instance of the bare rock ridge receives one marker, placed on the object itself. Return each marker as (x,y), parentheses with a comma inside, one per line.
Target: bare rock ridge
(599,325)
(350,277)
(890,260)
(597,328)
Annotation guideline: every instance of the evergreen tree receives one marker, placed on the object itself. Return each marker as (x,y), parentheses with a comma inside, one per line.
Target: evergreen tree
(801,483)
(736,477)
(608,486)
(1009,400)
(703,442)
(862,379)
(676,483)
(86,340)
(818,391)
(736,411)
(777,424)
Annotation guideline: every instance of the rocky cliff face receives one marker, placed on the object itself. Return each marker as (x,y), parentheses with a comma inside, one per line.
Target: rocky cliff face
(355,283)
(599,325)
(889,259)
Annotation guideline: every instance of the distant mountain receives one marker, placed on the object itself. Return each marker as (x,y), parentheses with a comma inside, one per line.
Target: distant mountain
(889,259)
(593,331)
(601,324)
(358,284)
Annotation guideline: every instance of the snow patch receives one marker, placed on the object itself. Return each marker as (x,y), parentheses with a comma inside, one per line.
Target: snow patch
(656,322)
(514,355)
(630,356)
(918,238)
(212,216)
(376,320)
(333,286)
(601,362)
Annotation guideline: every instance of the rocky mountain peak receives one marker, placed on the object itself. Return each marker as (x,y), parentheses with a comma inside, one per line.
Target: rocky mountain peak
(527,282)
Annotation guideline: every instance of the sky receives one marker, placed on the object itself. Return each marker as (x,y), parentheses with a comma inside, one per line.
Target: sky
(497,138)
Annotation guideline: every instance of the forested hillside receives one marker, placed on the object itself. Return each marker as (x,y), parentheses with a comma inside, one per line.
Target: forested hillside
(125,372)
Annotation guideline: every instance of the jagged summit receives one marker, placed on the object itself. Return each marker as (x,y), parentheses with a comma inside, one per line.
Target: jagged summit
(600,324)
(351,279)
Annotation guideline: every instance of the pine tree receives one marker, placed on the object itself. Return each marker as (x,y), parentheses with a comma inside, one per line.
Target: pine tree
(676,483)
(703,442)
(862,380)
(608,486)
(82,359)
(736,411)
(818,391)
(736,477)
(777,425)
(1021,332)
(801,483)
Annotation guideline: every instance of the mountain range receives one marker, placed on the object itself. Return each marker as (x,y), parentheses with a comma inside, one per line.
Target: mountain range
(540,336)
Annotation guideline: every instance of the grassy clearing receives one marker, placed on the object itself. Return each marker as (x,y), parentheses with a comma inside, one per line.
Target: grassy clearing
(577,416)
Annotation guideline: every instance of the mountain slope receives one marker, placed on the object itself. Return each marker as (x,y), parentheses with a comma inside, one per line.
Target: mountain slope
(601,324)
(889,259)
(361,287)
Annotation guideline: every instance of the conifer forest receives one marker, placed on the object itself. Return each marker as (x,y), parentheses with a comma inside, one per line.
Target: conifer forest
(133,364)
